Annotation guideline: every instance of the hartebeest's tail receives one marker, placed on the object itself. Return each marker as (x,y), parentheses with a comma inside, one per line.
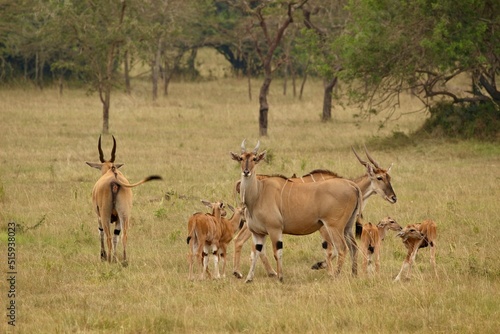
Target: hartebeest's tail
(147,179)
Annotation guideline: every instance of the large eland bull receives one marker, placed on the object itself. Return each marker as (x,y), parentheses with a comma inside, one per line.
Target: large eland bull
(277,206)
(112,202)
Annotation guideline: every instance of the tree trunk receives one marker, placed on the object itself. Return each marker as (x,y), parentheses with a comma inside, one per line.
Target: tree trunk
(304,79)
(191,62)
(293,74)
(126,73)
(327,99)
(249,88)
(285,78)
(156,70)
(105,110)
(61,84)
(264,107)
(166,77)
(249,77)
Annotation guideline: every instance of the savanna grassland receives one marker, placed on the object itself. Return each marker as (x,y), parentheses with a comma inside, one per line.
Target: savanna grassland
(62,286)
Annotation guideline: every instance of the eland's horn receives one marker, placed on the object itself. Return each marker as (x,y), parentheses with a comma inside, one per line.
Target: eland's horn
(243,149)
(357,156)
(101,154)
(256,149)
(113,151)
(371,159)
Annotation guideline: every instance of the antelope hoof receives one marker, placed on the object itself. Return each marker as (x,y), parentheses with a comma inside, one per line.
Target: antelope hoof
(272,274)
(125,263)
(248,280)
(104,257)
(237,275)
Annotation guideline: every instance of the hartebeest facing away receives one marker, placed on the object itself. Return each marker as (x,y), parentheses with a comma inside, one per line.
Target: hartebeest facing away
(376,180)
(277,206)
(416,236)
(112,201)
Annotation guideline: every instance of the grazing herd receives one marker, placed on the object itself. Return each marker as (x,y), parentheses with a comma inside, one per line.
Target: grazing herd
(272,205)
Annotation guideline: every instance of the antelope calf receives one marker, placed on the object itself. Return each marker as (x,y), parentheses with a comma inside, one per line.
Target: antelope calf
(112,202)
(416,236)
(371,241)
(229,228)
(204,234)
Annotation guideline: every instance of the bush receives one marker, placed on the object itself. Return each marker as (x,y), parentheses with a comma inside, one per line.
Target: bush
(466,121)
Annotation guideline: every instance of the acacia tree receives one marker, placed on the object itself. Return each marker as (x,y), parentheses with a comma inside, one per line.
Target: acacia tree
(95,30)
(266,44)
(392,46)
(324,21)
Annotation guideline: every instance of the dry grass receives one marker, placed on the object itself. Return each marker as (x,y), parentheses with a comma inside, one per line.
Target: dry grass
(63,287)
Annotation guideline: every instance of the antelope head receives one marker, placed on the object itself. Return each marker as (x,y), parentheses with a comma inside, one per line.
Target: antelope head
(410,233)
(380,178)
(105,165)
(390,224)
(218,208)
(248,160)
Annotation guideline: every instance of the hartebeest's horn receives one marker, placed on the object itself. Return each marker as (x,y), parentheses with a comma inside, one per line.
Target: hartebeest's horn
(243,149)
(101,154)
(113,150)
(371,159)
(364,163)
(256,149)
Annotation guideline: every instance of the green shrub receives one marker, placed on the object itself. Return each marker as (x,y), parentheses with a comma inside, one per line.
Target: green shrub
(479,120)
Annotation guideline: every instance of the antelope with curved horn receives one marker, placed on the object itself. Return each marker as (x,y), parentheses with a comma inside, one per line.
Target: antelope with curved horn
(376,180)
(277,206)
(112,202)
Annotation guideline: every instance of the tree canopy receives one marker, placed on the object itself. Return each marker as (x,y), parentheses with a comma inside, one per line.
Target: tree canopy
(391,46)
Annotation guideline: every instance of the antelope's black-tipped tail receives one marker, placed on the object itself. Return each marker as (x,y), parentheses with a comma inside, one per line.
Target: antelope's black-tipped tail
(153,177)
(359,229)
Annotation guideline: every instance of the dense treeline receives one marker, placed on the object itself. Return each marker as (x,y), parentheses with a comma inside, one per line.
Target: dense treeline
(378,48)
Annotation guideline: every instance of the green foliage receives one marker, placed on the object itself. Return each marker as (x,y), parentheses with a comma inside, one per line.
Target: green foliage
(465,121)
(391,46)
(160,212)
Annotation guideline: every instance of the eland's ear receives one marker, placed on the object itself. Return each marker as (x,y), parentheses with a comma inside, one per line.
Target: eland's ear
(206,203)
(118,165)
(231,207)
(260,156)
(235,156)
(369,170)
(94,165)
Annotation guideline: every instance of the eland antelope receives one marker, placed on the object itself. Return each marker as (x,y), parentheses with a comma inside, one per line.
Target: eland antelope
(112,202)
(371,241)
(204,235)
(376,180)
(277,206)
(416,236)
